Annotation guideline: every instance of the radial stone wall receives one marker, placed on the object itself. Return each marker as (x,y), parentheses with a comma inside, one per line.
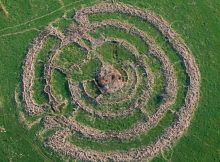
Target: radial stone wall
(136,87)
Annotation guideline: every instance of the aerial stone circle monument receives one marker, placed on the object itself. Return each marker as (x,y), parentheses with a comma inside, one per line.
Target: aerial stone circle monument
(116,84)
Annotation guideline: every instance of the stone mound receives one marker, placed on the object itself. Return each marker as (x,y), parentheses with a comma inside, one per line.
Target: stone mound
(109,79)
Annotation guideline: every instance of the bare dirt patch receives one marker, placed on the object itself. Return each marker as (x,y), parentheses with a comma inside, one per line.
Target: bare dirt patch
(3,9)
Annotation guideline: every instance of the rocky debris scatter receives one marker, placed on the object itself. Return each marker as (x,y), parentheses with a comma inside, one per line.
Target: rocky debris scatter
(109,79)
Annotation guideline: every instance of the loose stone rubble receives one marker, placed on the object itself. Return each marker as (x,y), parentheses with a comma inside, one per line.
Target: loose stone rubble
(110,81)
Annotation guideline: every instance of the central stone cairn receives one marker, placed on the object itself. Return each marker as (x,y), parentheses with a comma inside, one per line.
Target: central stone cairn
(109,79)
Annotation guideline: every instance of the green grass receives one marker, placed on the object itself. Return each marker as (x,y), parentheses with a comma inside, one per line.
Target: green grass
(87,71)
(116,124)
(124,145)
(113,53)
(92,89)
(65,22)
(70,55)
(199,26)
(158,87)
(119,33)
(38,87)
(61,91)
(60,85)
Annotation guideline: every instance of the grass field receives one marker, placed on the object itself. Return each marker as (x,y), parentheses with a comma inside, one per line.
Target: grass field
(197,22)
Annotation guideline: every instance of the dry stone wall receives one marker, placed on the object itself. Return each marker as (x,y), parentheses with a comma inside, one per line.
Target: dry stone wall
(65,126)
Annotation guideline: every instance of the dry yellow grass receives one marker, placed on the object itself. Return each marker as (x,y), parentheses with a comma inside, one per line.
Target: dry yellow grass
(3,9)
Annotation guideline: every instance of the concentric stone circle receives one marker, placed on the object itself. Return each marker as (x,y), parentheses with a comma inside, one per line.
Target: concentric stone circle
(65,126)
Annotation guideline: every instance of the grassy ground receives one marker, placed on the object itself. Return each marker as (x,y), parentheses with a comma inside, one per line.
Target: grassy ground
(196,21)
